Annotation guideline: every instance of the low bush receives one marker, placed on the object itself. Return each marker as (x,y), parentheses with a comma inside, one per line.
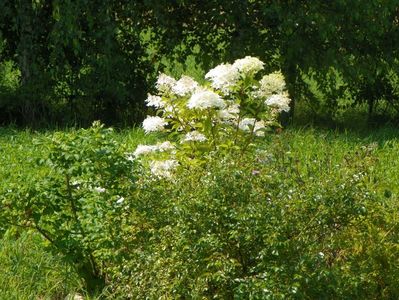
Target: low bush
(74,199)
(261,227)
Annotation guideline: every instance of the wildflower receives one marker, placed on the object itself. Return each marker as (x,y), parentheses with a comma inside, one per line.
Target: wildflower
(185,85)
(151,124)
(279,101)
(163,168)
(205,99)
(165,83)
(223,77)
(194,136)
(99,189)
(120,200)
(155,101)
(248,65)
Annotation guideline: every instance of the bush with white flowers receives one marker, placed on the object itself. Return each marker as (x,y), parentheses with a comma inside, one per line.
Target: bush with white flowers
(227,113)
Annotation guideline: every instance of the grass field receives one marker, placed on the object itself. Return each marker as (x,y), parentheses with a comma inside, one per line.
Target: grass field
(29,270)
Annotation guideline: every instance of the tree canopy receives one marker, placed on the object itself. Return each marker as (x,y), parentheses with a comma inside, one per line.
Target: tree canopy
(82,60)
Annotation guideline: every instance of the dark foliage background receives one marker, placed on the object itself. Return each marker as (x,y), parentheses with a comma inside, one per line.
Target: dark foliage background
(71,62)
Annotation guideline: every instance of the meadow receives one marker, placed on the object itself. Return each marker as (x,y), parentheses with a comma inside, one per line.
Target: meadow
(316,157)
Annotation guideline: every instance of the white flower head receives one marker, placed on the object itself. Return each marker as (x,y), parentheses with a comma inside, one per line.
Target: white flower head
(165,83)
(273,83)
(163,168)
(248,65)
(155,101)
(205,99)
(251,124)
(144,149)
(165,146)
(246,124)
(156,123)
(223,77)
(185,85)
(281,102)
(229,113)
(194,136)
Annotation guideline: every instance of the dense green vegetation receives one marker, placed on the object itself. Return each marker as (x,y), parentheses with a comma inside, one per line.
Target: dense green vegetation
(312,215)
(72,62)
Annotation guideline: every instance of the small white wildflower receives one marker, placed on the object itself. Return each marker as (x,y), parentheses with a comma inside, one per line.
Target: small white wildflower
(223,77)
(156,123)
(205,99)
(165,83)
(144,149)
(185,85)
(120,200)
(165,146)
(155,101)
(99,189)
(194,136)
(163,169)
(279,101)
(248,65)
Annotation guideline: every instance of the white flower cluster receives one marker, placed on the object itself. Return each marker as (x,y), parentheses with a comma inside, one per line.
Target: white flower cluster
(223,77)
(281,102)
(155,101)
(194,136)
(205,99)
(273,83)
(165,83)
(248,65)
(229,114)
(252,125)
(233,105)
(163,168)
(151,124)
(184,86)
(273,89)
(147,149)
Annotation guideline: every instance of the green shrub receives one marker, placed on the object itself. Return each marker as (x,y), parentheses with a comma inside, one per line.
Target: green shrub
(75,199)
(263,227)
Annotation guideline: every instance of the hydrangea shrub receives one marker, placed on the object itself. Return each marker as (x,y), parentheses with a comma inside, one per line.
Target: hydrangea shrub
(229,112)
